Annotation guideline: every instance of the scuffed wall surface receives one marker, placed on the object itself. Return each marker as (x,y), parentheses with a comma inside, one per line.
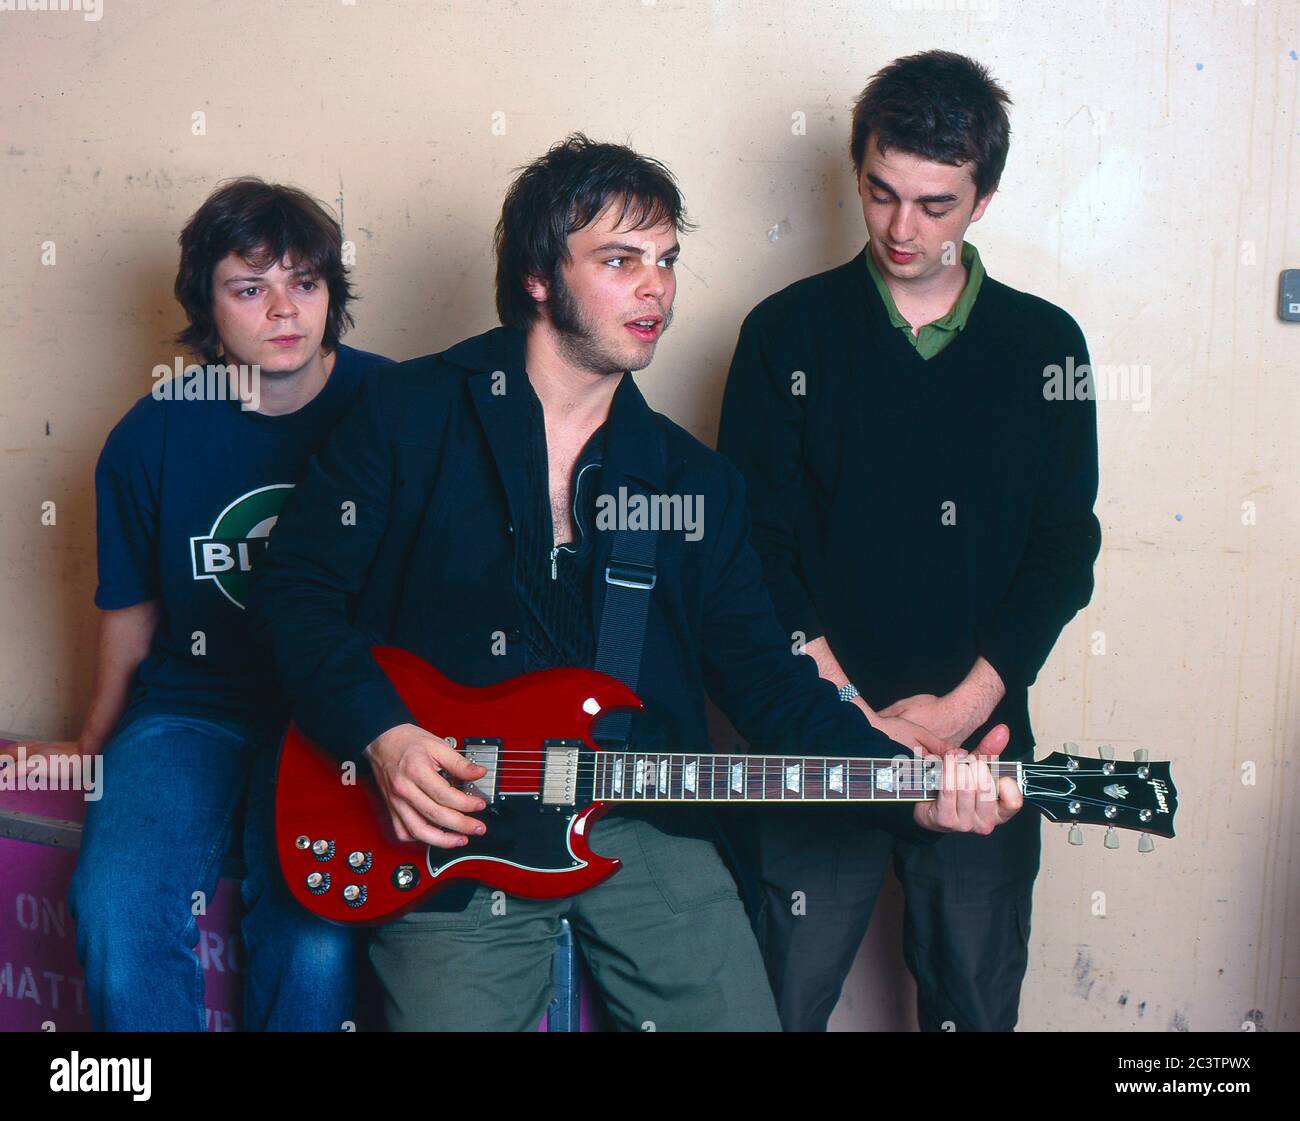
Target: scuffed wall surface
(1152,190)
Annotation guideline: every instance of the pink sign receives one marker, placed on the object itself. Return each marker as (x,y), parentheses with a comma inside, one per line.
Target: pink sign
(41,983)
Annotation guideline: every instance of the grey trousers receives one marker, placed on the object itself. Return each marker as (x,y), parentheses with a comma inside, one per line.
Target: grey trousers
(665,939)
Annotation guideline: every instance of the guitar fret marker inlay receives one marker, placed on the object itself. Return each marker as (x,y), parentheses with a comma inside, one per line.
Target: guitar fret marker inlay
(793,777)
(738,777)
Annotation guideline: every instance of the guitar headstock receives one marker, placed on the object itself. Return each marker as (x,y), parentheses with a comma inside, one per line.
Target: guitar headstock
(1139,795)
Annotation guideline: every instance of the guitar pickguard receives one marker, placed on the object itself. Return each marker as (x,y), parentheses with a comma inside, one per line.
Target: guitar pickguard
(521,833)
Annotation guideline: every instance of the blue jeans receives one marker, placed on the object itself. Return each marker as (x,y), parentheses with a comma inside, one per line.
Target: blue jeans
(173,788)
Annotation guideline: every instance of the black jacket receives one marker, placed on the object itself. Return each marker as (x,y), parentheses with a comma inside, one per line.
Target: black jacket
(401,533)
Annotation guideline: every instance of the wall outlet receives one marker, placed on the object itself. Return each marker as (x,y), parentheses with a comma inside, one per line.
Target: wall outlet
(1288,304)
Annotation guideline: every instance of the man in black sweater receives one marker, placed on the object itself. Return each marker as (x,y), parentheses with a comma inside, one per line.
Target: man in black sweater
(455,513)
(922,505)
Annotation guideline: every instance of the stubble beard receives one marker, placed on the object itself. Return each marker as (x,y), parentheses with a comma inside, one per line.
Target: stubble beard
(579,341)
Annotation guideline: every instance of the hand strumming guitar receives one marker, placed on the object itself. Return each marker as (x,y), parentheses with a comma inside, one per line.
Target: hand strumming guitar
(408,765)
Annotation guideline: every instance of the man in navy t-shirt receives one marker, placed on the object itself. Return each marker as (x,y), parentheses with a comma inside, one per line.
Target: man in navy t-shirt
(188,488)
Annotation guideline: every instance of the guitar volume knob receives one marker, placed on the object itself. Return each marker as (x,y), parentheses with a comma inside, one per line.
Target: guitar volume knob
(318,883)
(354,895)
(323,850)
(359,861)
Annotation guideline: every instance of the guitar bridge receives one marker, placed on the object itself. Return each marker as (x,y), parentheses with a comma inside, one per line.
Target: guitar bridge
(560,772)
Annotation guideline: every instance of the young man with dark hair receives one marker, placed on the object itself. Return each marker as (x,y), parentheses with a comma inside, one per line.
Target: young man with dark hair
(924,516)
(475,475)
(184,707)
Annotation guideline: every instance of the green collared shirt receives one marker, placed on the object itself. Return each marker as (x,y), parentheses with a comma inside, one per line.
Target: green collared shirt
(933,337)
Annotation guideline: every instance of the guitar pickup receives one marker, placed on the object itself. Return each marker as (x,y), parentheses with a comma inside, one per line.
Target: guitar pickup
(560,772)
(486,753)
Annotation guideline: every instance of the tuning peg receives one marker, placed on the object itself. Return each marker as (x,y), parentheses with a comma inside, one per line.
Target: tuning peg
(1141,755)
(1071,749)
(1146,844)
(1106,751)
(1076,835)
(1112,838)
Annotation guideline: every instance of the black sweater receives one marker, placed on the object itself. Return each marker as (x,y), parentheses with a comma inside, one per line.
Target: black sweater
(849,484)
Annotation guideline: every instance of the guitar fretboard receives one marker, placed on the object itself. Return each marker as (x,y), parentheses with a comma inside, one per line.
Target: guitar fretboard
(640,777)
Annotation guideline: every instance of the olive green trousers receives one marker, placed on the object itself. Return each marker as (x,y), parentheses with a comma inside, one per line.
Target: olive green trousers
(665,939)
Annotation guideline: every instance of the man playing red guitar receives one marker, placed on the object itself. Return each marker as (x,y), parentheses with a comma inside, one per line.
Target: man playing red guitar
(463,512)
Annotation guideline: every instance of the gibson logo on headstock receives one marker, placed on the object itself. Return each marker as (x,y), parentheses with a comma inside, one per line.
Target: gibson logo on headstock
(1161,791)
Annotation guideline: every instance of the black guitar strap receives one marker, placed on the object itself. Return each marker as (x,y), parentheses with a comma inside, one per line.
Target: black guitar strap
(629,578)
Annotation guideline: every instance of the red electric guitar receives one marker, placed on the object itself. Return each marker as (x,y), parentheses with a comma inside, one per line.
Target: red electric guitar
(547,784)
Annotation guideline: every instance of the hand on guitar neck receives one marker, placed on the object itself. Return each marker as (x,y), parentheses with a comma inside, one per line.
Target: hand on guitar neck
(968,801)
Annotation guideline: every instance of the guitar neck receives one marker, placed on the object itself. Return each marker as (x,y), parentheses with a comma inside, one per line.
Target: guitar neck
(628,776)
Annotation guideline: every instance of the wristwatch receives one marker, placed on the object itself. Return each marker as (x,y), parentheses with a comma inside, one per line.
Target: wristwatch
(848,691)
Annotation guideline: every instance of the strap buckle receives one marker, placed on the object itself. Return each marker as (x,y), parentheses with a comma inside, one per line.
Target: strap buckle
(629,574)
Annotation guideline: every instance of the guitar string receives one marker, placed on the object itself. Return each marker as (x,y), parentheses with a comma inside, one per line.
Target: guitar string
(1003,769)
(676,777)
(681,759)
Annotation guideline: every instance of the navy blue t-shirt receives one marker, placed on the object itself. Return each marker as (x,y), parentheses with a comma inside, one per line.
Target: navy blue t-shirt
(187,493)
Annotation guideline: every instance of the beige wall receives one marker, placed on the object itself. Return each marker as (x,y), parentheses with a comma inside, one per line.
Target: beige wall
(1154,200)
